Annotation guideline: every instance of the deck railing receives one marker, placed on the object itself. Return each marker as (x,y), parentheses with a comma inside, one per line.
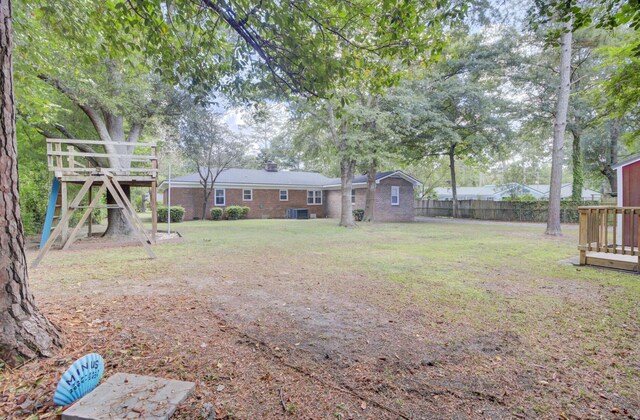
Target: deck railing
(65,158)
(610,230)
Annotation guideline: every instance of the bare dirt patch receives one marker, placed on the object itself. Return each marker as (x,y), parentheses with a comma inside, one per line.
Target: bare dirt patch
(268,333)
(237,373)
(98,242)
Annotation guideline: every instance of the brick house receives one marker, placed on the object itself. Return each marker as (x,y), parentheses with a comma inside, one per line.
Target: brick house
(270,192)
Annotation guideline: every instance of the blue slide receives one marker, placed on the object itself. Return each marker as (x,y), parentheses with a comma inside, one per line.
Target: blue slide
(51,209)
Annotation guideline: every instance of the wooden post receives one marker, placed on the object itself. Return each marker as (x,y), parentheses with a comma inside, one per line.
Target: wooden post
(59,165)
(64,208)
(154,196)
(154,211)
(89,227)
(615,230)
(50,158)
(72,160)
(606,230)
(583,241)
(637,213)
(632,215)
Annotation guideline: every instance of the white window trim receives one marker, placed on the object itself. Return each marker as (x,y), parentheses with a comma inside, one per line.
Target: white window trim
(224,197)
(250,193)
(353,196)
(395,191)
(280,195)
(314,197)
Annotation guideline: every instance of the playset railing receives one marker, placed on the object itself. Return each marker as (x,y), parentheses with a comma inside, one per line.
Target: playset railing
(65,159)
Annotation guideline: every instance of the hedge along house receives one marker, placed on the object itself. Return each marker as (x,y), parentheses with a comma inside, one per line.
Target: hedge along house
(270,192)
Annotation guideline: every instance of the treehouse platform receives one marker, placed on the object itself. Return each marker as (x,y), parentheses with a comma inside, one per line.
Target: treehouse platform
(610,237)
(121,165)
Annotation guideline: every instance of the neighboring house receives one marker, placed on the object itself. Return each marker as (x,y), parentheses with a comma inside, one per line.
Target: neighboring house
(488,192)
(565,192)
(270,192)
(501,192)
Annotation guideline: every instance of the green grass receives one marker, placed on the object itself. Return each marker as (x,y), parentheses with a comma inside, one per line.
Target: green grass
(438,262)
(471,277)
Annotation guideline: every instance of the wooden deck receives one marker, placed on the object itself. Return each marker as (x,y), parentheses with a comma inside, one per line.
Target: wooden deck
(617,261)
(610,237)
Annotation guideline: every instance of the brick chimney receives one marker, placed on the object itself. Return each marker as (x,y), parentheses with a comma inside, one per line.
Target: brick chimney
(271,166)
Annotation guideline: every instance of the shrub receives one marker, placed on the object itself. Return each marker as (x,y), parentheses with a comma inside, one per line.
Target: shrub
(34,196)
(525,198)
(216,213)
(138,201)
(234,212)
(358,215)
(245,212)
(177,214)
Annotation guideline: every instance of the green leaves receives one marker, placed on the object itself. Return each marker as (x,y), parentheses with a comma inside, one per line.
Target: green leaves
(309,48)
(452,104)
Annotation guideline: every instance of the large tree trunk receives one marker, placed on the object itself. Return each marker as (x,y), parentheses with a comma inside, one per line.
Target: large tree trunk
(24,332)
(347,166)
(206,194)
(207,187)
(577,167)
(117,224)
(454,187)
(612,156)
(370,203)
(204,205)
(559,126)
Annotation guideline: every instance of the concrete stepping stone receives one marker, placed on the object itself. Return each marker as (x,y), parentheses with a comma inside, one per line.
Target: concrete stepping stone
(129,396)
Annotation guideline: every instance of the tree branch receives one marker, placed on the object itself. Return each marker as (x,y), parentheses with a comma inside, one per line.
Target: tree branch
(93,115)
(63,130)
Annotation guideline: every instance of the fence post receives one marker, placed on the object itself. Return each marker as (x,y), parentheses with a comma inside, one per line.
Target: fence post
(584,221)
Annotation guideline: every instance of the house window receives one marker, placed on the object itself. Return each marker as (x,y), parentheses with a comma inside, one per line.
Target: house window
(284,195)
(395,196)
(353,196)
(314,197)
(247,195)
(219,194)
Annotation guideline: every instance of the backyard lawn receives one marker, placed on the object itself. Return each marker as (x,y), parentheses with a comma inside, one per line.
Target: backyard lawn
(295,318)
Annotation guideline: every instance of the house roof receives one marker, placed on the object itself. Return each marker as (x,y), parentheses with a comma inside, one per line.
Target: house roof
(261,177)
(491,190)
(565,190)
(538,190)
(629,161)
(486,190)
(362,179)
